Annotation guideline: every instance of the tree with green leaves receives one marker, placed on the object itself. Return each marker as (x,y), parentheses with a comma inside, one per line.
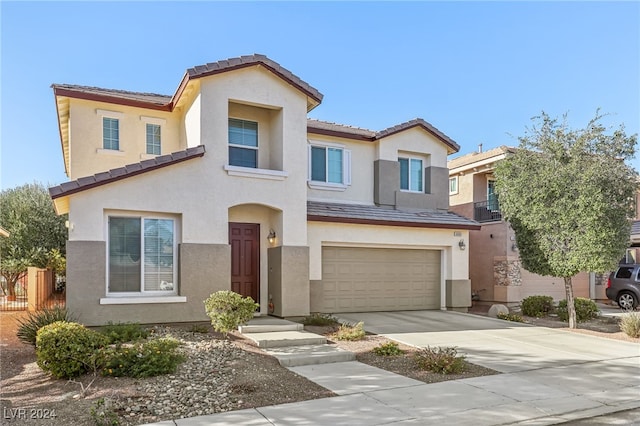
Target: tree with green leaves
(37,235)
(568,195)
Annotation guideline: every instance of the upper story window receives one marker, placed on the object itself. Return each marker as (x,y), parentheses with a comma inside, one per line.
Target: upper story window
(243,143)
(411,174)
(329,165)
(110,133)
(153,139)
(453,185)
(141,256)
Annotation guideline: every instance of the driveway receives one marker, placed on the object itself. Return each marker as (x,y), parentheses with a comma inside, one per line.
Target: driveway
(505,346)
(550,377)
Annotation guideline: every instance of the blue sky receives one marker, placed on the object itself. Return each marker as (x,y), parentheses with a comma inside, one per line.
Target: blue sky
(478,71)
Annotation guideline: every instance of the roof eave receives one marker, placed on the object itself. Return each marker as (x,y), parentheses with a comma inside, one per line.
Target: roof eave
(452,147)
(339,134)
(59,91)
(362,221)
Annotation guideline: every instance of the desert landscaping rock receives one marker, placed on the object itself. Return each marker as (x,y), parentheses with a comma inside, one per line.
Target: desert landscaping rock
(494,310)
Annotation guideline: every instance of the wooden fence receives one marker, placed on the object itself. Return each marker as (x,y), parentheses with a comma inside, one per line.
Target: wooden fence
(38,289)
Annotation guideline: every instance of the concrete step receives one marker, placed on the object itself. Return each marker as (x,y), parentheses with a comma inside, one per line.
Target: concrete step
(278,339)
(268,325)
(295,356)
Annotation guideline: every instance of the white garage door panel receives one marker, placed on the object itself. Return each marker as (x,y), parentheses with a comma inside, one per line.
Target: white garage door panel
(368,279)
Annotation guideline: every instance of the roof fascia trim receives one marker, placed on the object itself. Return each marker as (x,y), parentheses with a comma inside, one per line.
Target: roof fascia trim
(318,218)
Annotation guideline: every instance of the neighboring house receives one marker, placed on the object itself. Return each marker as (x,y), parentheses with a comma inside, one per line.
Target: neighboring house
(495,269)
(227,185)
(634,246)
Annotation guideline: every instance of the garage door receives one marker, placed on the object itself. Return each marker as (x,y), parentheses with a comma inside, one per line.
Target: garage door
(372,279)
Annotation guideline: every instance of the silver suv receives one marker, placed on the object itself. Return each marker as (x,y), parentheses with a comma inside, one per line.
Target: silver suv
(623,286)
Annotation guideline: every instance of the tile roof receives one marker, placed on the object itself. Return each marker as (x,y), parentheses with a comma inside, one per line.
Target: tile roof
(369,214)
(129,170)
(474,157)
(419,122)
(250,60)
(335,129)
(166,102)
(90,92)
(342,130)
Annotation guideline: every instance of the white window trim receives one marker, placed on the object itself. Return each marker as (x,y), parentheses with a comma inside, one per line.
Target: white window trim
(255,173)
(256,148)
(142,294)
(141,300)
(455,178)
(408,157)
(113,152)
(153,120)
(346,168)
(110,114)
(149,120)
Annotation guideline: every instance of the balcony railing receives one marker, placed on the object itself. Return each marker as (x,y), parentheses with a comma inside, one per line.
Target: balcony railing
(487,211)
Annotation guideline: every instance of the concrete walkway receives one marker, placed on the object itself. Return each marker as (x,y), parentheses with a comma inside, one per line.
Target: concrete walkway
(549,377)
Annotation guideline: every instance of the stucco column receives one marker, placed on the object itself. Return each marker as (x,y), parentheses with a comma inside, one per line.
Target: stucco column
(289,280)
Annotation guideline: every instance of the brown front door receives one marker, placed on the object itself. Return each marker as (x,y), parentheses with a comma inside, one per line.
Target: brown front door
(245,259)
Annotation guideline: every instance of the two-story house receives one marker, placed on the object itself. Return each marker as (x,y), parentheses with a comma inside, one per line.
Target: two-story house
(228,185)
(495,269)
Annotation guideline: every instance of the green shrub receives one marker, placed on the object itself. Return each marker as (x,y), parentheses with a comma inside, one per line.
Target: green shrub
(537,306)
(228,310)
(319,319)
(350,332)
(147,359)
(630,324)
(67,349)
(102,413)
(440,360)
(586,309)
(123,332)
(28,327)
(510,317)
(388,349)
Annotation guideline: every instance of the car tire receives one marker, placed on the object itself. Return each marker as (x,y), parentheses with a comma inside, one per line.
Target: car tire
(626,300)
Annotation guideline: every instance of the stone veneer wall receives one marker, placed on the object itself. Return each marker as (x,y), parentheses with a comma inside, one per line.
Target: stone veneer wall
(506,271)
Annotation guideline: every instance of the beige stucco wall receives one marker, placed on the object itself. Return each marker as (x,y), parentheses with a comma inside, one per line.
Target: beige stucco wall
(414,140)
(201,194)
(87,156)
(465,191)
(191,124)
(362,158)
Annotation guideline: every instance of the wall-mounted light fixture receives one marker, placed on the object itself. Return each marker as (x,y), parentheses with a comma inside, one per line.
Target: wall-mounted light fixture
(462,245)
(514,247)
(272,236)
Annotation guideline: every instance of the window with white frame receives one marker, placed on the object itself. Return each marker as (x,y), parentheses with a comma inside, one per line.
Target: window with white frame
(153,139)
(110,133)
(243,143)
(453,185)
(411,174)
(329,164)
(141,256)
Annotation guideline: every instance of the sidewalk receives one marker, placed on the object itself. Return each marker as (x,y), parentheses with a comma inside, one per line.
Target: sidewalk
(549,377)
